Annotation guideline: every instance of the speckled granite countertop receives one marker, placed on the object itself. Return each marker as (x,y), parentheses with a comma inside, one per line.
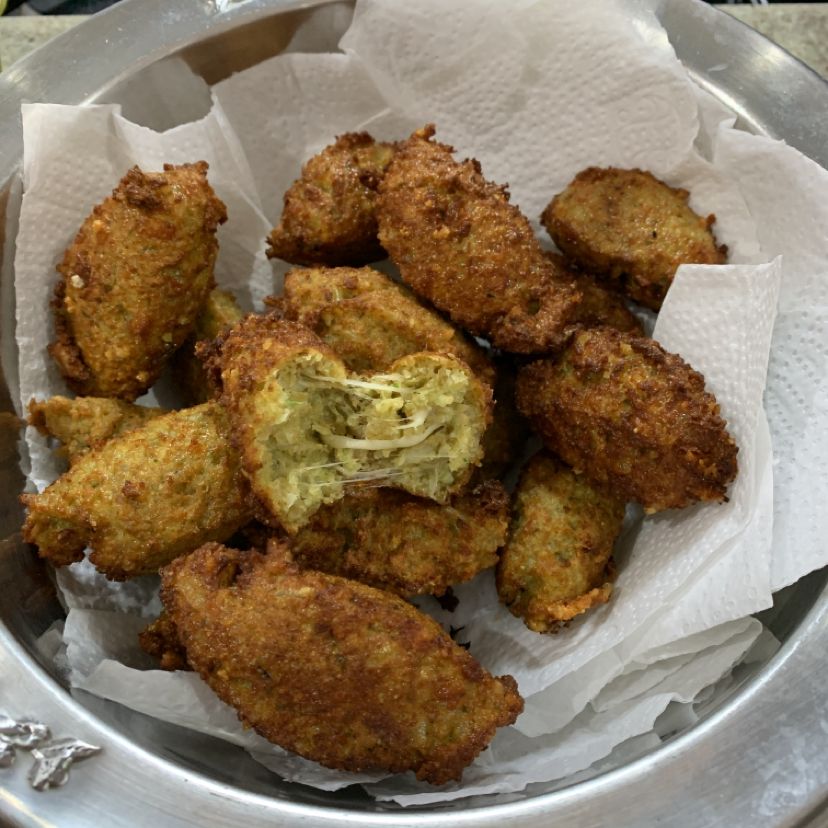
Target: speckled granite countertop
(801,28)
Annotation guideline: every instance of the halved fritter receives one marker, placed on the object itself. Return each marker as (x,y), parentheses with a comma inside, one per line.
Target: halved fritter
(328,216)
(630,416)
(557,563)
(629,226)
(370,320)
(142,499)
(85,422)
(134,280)
(307,429)
(218,314)
(409,545)
(341,673)
(459,244)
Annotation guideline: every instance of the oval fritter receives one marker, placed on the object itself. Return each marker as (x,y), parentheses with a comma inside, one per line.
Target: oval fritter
(134,280)
(630,226)
(409,545)
(328,216)
(459,244)
(628,414)
(141,499)
(352,677)
(557,563)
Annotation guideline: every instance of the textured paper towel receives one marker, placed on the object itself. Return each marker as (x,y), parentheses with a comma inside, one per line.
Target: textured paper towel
(786,194)
(555,88)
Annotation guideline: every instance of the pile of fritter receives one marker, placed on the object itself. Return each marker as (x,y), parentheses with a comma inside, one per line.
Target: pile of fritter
(347,449)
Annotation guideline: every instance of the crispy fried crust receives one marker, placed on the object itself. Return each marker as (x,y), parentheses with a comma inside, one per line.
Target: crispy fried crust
(85,422)
(459,244)
(408,545)
(557,563)
(370,321)
(160,640)
(632,227)
(142,499)
(329,214)
(600,304)
(628,414)
(350,676)
(134,280)
(218,314)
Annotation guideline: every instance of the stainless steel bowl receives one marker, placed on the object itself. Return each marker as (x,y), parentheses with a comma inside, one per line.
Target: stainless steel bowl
(759,756)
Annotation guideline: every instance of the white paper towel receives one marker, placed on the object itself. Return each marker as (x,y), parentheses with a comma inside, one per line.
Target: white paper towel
(536,95)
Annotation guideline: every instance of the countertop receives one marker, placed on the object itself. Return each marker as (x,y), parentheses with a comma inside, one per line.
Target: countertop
(801,28)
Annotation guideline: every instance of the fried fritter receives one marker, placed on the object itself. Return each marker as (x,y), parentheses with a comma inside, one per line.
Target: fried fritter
(135,279)
(632,227)
(329,216)
(85,422)
(142,499)
(558,561)
(370,321)
(160,640)
(218,314)
(349,676)
(306,429)
(459,244)
(409,545)
(628,414)
(599,306)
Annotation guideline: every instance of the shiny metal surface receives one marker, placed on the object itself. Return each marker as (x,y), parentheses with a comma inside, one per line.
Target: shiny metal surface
(760,757)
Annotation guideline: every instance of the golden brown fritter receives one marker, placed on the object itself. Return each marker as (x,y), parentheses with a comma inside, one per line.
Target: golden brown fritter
(350,676)
(328,216)
(630,226)
(558,561)
(628,414)
(370,321)
(85,422)
(599,305)
(218,314)
(134,280)
(142,499)
(459,244)
(160,640)
(409,545)
(307,429)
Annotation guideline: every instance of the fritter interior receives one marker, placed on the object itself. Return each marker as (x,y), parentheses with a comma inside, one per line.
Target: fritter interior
(318,430)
